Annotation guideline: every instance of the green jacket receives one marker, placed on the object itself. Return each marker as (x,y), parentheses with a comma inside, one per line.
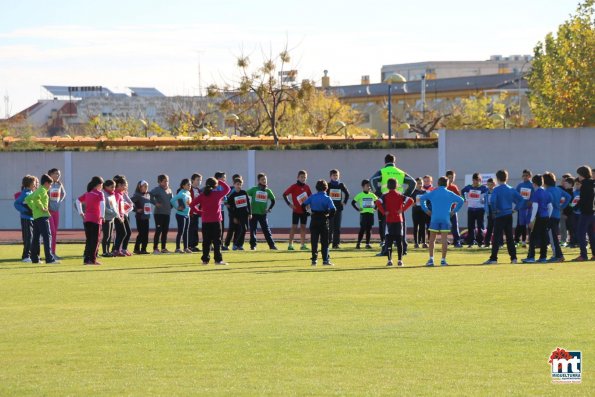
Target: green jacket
(37,200)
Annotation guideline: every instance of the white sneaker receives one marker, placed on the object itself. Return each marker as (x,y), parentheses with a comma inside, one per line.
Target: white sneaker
(26,260)
(400,263)
(389,263)
(156,252)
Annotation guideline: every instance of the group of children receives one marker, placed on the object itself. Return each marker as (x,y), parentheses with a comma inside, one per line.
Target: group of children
(543,208)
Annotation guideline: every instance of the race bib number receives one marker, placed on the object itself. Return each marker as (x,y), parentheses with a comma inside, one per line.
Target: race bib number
(526,193)
(562,200)
(301,198)
(261,197)
(418,200)
(147,209)
(55,194)
(240,201)
(335,194)
(474,195)
(126,207)
(368,202)
(575,201)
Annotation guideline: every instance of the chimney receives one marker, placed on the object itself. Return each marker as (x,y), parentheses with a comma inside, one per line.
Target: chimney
(326,81)
(366,80)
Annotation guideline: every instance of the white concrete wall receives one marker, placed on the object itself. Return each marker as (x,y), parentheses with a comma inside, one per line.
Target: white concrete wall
(281,167)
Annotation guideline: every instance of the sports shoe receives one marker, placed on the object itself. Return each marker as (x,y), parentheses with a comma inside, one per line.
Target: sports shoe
(458,245)
(416,246)
(443,262)
(26,260)
(274,248)
(290,248)
(117,253)
(304,247)
(400,264)
(179,251)
(389,263)
(221,263)
(430,263)
(240,248)
(528,260)
(156,252)
(107,255)
(382,253)
(327,263)
(490,262)
(126,253)
(88,263)
(224,248)
(542,260)
(205,262)
(234,248)
(424,245)
(54,262)
(514,261)
(580,259)
(314,263)
(254,248)
(165,251)
(368,247)
(56,257)
(96,262)
(188,251)
(553,259)
(358,247)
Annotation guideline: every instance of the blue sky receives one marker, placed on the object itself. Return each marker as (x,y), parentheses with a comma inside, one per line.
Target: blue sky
(161,43)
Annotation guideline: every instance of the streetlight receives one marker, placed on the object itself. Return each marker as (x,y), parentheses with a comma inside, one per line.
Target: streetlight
(393,78)
(341,125)
(233,118)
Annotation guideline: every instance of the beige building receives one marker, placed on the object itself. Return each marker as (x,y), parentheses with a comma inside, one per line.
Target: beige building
(497,64)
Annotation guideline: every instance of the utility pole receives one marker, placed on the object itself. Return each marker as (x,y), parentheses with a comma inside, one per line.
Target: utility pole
(6,106)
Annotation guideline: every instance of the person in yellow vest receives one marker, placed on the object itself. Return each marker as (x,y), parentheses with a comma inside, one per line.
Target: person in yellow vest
(379,181)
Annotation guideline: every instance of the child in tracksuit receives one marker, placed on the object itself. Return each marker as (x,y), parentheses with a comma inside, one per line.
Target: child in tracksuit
(525,188)
(93,214)
(193,239)
(57,195)
(181,203)
(160,198)
(210,206)
(28,186)
(340,195)
(418,216)
(122,225)
(365,203)
(321,206)
(474,195)
(142,214)
(392,205)
(560,200)
(488,210)
(38,201)
(112,211)
(260,195)
(541,208)
(240,212)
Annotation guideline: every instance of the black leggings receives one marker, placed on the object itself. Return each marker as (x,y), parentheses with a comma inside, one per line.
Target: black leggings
(366,221)
(106,241)
(91,241)
(211,233)
(394,235)
(123,233)
(319,230)
(142,239)
(419,225)
(183,224)
(161,230)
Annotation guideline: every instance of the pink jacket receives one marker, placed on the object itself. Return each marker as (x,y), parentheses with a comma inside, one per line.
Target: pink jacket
(210,205)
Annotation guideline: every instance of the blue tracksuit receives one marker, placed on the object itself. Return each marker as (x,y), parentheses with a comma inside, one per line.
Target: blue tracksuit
(560,200)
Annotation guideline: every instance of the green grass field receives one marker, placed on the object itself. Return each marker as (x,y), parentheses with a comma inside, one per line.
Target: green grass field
(269,324)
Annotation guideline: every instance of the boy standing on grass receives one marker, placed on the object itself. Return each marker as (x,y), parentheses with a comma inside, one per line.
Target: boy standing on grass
(488,209)
(322,208)
(339,194)
(240,212)
(502,201)
(541,209)
(160,198)
(392,205)
(364,203)
(474,195)
(441,200)
(28,186)
(260,195)
(525,188)
(586,219)
(298,193)
(560,200)
(38,201)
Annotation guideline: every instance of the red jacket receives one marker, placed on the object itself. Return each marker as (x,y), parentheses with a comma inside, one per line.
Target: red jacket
(393,204)
(210,205)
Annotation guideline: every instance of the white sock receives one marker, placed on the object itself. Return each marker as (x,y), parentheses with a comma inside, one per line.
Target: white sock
(431,258)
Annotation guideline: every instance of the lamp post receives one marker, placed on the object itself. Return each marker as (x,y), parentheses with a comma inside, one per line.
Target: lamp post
(341,125)
(393,78)
(233,118)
